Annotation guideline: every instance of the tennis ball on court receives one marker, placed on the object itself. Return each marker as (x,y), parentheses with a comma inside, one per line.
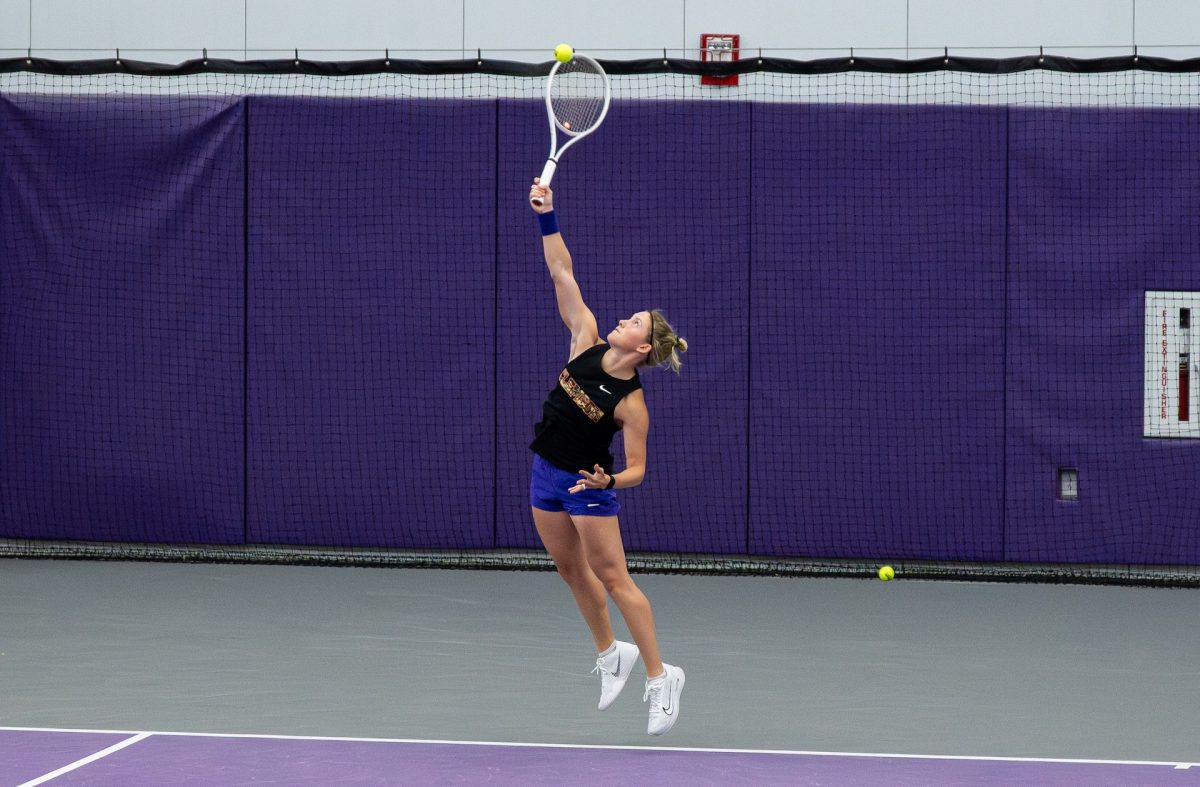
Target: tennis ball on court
(886,573)
(563,53)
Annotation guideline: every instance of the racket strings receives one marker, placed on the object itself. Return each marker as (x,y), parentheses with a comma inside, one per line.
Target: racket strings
(577,97)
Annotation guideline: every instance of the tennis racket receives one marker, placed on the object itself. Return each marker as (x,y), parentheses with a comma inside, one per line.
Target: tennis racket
(577,96)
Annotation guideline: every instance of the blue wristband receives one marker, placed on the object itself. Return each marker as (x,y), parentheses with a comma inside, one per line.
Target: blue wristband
(548,222)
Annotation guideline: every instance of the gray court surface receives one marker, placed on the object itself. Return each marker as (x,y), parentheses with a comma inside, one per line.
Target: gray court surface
(836,665)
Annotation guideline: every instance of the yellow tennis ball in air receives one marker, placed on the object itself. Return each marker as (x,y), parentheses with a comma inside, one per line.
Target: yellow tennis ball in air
(886,573)
(563,53)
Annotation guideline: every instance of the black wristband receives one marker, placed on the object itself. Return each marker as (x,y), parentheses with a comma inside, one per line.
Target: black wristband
(612,481)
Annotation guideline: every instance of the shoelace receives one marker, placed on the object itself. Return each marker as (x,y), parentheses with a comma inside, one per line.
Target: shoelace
(655,688)
(600,669)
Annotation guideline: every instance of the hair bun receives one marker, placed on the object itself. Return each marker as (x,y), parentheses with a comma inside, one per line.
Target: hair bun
(681,343)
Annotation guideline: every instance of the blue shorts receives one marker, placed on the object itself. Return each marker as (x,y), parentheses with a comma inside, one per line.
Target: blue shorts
(548,491)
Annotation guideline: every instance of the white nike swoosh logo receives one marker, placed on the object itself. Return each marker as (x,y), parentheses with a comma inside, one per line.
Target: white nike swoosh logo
(592,505)
(602,388)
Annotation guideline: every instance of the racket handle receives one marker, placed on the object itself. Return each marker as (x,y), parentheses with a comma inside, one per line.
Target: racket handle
(544,180)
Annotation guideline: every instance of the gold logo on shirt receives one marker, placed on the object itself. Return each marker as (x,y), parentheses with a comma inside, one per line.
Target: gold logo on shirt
(581,399)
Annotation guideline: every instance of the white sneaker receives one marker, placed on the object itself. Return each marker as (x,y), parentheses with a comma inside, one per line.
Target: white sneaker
(663,693)
(614,669)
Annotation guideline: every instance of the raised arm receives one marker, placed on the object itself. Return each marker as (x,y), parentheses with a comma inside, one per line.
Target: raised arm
(574,312)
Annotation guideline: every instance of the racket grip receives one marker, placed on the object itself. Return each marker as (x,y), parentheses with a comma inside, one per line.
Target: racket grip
(544,180)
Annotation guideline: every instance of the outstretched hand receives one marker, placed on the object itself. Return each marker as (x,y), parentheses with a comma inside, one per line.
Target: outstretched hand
(542,192)
(596,480)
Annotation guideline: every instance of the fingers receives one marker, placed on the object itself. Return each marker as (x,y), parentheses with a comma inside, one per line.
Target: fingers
(596,480)
(542,196)
(584,484)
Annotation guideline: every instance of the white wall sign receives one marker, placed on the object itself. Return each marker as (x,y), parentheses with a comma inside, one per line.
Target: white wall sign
(1172,379)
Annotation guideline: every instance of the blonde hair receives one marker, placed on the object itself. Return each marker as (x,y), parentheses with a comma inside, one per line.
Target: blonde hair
(665,344)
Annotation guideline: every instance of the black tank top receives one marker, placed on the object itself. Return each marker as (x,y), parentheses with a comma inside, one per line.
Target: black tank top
(577,424)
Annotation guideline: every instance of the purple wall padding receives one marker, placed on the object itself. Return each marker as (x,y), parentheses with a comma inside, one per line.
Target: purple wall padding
(654,211)
(1104,206)
(876,421)
(372,297)
(121,309)
(903,321)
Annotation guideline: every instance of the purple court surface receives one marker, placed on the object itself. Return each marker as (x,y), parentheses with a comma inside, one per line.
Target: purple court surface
(38,756)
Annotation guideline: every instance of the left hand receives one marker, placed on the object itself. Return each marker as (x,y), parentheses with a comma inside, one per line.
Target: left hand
(597,480)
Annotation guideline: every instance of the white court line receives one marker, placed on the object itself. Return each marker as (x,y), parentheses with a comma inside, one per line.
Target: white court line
(91,758)
(956,757)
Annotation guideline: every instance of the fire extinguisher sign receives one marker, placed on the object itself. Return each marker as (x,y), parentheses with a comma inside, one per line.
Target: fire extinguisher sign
(1171,348)
(720,47)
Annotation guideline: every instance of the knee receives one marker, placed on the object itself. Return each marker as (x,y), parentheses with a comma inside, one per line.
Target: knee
(571,571)
(615,580)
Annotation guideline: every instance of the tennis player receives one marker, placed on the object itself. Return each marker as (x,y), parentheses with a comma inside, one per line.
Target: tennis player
(573,487)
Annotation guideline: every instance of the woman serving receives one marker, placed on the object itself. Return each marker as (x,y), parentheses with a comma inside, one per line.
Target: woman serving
(573,489)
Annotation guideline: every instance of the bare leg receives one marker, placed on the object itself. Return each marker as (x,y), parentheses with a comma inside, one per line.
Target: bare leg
(562,542)
(601,539)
